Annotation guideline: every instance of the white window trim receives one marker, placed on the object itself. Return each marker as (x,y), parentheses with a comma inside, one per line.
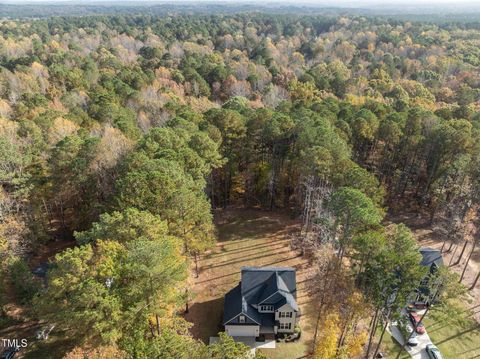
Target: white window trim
(285,314)
(266,308)
(285,326)
(242,319)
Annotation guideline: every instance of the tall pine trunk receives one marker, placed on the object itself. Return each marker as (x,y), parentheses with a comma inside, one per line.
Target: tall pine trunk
(475,281)
(468,261)
(381,338)
(195,256)
(372,333)
(461,253)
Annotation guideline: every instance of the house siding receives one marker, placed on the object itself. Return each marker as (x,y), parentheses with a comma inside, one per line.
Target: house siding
(293,320)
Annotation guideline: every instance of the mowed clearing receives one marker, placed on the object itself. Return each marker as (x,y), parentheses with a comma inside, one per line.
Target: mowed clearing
(248,238)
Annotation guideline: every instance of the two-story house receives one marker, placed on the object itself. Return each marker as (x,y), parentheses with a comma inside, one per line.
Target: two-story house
(433,260)
(264,302)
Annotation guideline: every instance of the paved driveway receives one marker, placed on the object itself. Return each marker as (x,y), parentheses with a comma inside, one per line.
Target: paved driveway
(250,341)
(417,352)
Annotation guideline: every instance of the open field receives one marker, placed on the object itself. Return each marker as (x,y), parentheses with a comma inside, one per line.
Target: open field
(248,238)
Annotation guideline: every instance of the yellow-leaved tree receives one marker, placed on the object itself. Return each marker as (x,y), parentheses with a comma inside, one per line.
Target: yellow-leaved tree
(328,338)
(353,345)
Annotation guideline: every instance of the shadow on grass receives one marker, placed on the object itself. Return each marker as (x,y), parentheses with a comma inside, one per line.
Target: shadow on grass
(225,251)
(235,238)
(219,277)
(229,231)
(243,259)
(207,318)
(393,348)
(474,328)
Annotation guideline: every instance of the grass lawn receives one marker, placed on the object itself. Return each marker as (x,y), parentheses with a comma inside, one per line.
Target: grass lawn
(248,238)
(455,339)
(391,347)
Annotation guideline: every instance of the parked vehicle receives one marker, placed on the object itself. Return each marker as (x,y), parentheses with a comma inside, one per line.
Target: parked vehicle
(420,328)
(9,353)
(414,317)
(413,340)
(417,325)
(433,352)
(420,305)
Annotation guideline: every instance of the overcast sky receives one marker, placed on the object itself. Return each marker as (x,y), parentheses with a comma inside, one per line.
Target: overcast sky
(313,2)
(453,4)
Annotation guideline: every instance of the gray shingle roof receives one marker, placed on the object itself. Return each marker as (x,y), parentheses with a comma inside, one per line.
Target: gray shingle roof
(233,304)
(431,256)
(258,284)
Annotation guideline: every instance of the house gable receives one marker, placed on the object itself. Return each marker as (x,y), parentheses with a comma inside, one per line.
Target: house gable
(286,308)
(236,320)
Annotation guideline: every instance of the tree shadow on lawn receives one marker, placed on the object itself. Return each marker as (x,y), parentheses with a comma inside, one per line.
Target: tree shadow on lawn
(206,318)
(246,258)
(224,251)
(233,237)
(257,228)
(476,327)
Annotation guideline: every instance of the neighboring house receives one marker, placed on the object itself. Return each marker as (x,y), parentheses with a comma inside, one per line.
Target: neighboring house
(433,260)
(264,302)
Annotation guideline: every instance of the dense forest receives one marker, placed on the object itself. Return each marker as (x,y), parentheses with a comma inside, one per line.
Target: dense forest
(123,134)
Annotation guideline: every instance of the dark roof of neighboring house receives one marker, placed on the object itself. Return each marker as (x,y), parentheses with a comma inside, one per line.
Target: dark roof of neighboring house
(257,285)
(431,256)
(41,270)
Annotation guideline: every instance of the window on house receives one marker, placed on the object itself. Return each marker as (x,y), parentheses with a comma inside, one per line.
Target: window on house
(267,308)
(285,326)
(285,314)
(241,319)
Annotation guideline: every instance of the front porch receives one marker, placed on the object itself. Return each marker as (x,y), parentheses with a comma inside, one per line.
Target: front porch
(264,329)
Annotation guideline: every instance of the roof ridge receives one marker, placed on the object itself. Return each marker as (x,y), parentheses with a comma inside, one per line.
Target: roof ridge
(270,269)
